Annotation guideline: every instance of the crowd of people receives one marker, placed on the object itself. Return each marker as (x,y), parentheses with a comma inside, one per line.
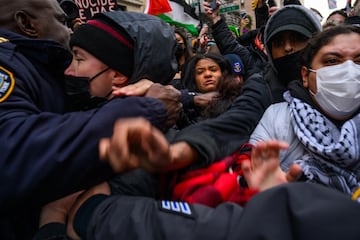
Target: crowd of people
(119,129)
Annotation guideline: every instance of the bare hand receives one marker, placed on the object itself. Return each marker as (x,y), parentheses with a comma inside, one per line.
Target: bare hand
(170,97)
(135,143)
(139,88)
(212,14)
(264,171)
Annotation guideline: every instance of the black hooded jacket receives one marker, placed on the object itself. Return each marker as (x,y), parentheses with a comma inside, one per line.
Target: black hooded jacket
(281,19)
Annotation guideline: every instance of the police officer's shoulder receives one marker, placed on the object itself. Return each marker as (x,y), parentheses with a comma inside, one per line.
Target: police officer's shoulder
(7,83)
(3,40)
(7,80)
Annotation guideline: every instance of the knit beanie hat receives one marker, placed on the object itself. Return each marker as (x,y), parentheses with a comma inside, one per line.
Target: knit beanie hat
(291,18)
(108,42)
(236,63)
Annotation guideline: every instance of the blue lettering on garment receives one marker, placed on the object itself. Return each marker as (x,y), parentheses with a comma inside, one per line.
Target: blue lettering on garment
(179,208)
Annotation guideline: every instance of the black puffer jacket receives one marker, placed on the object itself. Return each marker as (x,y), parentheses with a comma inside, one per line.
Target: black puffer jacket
(226,43)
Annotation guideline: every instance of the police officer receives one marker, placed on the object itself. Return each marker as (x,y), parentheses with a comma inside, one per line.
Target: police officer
(47,152)
(300,211)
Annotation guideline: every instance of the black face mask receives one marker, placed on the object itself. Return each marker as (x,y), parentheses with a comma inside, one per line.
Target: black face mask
(179,51)
(288,67)
(78,94)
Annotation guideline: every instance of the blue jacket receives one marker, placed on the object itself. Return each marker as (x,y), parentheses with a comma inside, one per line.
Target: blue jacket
(45,152)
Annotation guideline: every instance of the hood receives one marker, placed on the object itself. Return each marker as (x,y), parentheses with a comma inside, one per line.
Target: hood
(290,17)
(154,42)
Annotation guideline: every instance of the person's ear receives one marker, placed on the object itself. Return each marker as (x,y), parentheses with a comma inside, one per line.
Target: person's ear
(25,24)
(119,79)
(305,76)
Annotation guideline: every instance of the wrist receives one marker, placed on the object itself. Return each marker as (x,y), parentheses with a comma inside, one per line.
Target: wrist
(52,216)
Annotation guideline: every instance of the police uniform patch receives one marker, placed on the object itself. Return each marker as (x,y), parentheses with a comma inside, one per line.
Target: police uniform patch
(3,40)
(7,83)
(178,208)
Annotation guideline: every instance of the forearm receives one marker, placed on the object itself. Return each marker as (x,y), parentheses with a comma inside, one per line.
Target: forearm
(50,216)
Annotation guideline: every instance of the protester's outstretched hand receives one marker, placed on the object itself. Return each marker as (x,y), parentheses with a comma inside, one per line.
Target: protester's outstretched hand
(263,171)
(170,96)
(135,143)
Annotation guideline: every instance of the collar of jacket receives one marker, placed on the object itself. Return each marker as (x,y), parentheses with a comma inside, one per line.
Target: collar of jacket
(45,52)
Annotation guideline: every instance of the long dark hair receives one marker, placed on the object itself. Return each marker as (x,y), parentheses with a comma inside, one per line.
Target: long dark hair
(188,50)
(228,90)
(188,73)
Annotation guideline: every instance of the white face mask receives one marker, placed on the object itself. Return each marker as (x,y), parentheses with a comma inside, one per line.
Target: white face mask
(338,89)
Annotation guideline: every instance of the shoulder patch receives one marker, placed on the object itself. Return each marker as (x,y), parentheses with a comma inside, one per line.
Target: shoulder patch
(356,195)
(179,208)
(3,40)
(7,83)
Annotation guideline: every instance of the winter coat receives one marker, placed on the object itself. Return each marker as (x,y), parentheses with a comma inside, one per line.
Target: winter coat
(46,152)
(287,212)
(226,43)
(276,124)
(278,87)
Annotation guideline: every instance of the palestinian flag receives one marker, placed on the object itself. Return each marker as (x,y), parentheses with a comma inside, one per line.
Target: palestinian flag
(180,14)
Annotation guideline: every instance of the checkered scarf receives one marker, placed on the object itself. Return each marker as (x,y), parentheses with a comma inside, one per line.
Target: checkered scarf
(333,157)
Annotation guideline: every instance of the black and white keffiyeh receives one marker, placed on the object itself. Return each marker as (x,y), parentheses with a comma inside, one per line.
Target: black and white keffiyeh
(333,157)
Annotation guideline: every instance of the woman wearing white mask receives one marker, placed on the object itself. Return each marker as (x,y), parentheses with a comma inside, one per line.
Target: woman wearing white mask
(320,119)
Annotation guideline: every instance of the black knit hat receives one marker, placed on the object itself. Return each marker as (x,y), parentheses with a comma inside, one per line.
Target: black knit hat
(108,42)
(293,19)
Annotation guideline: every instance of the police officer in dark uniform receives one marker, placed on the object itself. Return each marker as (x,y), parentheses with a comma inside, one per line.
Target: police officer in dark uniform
(302,211)
(47,152)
